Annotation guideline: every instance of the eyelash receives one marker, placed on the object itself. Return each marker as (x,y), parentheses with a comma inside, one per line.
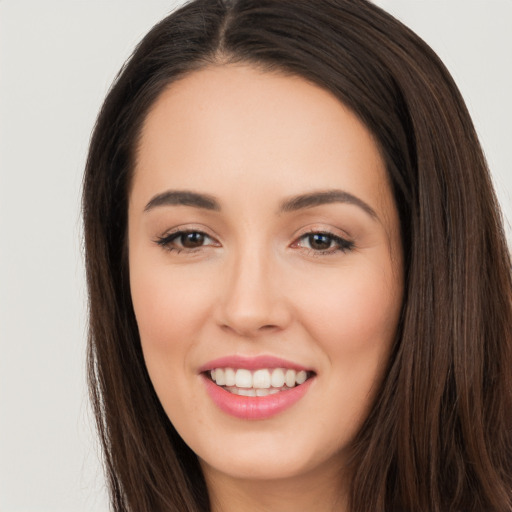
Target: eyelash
(166,241)
(341,244)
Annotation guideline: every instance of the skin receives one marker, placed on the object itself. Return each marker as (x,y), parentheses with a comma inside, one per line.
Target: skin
(252,140)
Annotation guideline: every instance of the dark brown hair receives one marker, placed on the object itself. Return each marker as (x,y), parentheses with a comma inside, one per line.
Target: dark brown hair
(439,435)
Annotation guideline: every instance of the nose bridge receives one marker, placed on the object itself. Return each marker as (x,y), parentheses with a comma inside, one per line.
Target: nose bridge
(250,300)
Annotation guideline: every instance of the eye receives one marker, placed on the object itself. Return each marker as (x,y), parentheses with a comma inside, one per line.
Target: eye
(192,239)
(323,243)
(186,241)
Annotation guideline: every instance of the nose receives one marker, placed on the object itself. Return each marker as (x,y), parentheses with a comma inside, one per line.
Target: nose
(253,300)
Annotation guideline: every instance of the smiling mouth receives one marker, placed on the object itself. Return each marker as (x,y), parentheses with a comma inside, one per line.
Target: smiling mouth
(258,383)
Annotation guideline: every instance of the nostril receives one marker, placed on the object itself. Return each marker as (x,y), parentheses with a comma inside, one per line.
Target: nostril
(268,327)
(248,330)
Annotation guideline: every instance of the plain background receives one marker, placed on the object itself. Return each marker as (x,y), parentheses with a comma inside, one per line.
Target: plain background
(57,59)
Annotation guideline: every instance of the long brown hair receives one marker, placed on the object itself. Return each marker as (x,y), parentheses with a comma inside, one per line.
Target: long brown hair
(439,435)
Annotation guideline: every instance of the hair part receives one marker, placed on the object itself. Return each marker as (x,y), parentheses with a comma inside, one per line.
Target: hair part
(438,437)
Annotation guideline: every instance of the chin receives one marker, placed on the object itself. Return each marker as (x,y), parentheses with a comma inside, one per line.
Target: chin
(270,457)
(256,468)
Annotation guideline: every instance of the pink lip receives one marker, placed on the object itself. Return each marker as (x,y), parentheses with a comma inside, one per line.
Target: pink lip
(251,363)
(257,407)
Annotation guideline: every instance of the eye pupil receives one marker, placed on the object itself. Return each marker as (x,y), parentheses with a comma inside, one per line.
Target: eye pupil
(319,241)
(192,239)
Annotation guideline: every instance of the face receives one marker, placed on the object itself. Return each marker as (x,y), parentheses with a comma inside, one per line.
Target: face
(263,245)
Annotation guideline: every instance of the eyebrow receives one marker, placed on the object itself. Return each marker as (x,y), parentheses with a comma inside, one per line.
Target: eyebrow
(313,199)
(299,202)
(183,198)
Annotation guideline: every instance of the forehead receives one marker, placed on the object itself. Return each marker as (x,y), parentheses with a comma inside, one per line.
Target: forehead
(224,125)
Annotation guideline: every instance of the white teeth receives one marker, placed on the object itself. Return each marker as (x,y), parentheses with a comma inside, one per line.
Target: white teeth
(261,379)
(243,391)
(230,376)
(300,378)
(289,378)
(246,392)
(263,382)
(220,377)
(277,379)
(243,379)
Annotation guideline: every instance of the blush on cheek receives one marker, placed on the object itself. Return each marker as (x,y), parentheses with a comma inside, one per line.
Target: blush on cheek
(165,309)
(358,315)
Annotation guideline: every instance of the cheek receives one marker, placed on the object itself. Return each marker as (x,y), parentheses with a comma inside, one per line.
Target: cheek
(354,315)
(353,321)
(170,308)
(168,305)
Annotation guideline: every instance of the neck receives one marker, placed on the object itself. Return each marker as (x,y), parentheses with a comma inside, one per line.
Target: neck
(315,491)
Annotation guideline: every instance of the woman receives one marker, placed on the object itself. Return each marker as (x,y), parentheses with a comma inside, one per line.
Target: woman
(300,292)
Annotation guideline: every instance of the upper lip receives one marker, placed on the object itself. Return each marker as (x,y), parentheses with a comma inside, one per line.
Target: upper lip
(251,363)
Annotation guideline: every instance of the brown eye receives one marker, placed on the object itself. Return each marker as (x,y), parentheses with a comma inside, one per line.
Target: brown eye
(320,241)
(192,239)
(186,241)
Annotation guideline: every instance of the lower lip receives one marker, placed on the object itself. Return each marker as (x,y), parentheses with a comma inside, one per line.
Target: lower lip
(255,407)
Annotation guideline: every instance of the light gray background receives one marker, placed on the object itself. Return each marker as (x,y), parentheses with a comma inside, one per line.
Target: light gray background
(57,59)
